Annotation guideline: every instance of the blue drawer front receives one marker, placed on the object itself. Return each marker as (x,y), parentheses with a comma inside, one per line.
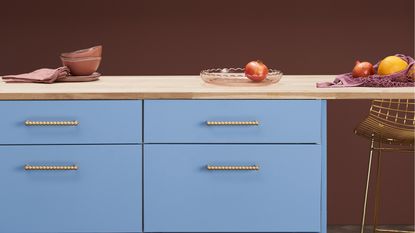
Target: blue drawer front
(181,195)
(103,195)
(99,122)
(185,121)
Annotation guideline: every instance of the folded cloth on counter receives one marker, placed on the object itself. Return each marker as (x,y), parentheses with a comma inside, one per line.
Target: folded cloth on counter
(404,78)
(43,75)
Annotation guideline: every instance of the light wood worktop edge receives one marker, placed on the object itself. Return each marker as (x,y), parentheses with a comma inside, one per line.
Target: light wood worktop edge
(192,87)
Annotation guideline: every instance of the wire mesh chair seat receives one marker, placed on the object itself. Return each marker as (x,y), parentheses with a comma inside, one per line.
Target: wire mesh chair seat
(390,122)
(372,127)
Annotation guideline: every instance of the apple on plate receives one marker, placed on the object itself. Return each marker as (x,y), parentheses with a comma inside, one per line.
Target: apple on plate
(256,71)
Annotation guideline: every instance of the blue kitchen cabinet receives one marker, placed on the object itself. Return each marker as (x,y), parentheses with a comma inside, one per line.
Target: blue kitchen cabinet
(232,121)
(208,166)
(103,194)
(70,122)
(281,192)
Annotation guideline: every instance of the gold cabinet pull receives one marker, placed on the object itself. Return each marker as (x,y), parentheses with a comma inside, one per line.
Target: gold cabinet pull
(47,168)
(51,123)
(219,123)
(227,168)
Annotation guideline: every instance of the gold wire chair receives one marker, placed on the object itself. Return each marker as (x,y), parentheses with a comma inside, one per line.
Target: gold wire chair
(391,125)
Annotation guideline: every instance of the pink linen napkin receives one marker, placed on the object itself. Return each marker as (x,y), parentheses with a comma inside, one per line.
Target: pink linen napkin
(43,75)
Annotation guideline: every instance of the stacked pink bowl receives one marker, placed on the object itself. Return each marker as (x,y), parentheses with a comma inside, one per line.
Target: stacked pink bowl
(83,62)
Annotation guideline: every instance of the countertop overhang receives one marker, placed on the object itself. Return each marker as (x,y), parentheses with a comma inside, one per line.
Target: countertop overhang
(192,87)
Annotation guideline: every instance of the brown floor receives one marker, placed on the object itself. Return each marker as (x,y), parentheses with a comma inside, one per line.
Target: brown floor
(368,229)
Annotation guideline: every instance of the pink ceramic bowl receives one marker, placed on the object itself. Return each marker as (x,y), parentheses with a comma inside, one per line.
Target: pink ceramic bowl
(82,66)
(95,51)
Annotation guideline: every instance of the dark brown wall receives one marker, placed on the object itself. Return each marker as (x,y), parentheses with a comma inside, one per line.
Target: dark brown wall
(184,36)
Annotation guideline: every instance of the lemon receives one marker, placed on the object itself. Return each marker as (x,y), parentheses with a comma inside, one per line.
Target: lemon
(391,64)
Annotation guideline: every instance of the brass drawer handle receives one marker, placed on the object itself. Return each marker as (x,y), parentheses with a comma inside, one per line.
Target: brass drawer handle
(219,123)
(51,123)
(226,168)
(45,168)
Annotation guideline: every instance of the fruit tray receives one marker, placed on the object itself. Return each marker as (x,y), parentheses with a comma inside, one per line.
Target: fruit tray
(236,77)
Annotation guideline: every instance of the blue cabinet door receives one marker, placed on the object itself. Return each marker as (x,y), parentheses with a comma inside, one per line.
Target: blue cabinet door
(102,195)
(182,195)
(98,122)
(232,121)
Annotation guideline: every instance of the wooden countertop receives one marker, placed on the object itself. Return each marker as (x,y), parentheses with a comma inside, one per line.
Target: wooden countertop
(192,87)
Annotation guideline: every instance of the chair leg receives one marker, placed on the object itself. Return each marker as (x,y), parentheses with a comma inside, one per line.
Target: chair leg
(362,229)
(377,192)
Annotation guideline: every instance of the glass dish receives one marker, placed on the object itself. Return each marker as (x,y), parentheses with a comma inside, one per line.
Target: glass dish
(236,77)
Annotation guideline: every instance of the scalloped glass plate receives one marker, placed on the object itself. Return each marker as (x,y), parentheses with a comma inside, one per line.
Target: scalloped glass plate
(236,77)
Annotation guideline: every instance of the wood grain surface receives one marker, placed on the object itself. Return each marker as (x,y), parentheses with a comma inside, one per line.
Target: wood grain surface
(192,87)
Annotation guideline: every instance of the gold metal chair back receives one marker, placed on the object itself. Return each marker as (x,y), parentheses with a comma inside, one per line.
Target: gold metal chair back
(394,112)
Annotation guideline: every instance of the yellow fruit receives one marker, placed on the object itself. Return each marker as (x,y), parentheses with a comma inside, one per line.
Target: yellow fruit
(391,64)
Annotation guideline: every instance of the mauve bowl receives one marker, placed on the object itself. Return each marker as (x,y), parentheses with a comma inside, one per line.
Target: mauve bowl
(82,66)
(95,51)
